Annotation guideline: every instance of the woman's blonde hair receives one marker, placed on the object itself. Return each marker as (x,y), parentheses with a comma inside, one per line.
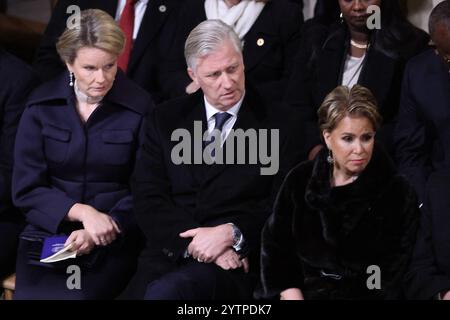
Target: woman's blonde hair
(96,29)
(342,102)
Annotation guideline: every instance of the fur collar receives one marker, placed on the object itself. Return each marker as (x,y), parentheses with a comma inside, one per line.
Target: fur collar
(341,208)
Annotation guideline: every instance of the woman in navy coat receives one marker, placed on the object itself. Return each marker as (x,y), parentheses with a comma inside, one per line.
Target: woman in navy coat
(76,147)
(13,94)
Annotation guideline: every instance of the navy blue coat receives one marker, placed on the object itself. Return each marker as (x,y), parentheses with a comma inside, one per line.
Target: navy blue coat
(422,135)
(59,161)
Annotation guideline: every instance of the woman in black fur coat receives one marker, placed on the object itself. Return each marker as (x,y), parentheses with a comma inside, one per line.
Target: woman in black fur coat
(343,225)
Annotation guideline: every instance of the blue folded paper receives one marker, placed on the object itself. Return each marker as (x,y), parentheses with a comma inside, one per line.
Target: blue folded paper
(54,250)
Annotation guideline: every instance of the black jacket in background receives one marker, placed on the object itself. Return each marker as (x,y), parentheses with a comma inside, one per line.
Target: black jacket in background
(17,81)
(319,68)
(429,272)
(268,66)
(422,135)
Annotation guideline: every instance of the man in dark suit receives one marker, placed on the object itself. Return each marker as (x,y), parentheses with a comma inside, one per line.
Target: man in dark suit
(152,36)
(13,92)
(202,222)
(423,137)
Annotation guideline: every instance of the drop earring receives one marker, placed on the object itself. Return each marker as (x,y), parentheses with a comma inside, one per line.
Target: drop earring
(71,79)
(330,159)
(341,17)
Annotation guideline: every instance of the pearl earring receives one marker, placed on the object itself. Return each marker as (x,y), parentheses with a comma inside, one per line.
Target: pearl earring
(71,79)
(330,159)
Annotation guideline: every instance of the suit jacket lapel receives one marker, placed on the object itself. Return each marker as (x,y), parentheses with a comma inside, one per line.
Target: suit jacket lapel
(330,63)
(195,112)
(381,69)
(156,13)
(441,86)
(262,29)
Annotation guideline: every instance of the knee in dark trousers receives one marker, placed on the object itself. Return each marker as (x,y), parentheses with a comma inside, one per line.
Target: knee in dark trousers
(200,281)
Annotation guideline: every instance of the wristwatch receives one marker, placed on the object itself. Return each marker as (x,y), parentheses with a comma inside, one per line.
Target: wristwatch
(238,238)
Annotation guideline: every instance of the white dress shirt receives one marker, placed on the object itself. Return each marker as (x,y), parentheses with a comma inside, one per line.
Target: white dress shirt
(139,11)
(211,111)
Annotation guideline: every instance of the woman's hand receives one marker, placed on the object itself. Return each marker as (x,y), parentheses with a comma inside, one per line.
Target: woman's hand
(101,227)
(292,294)
(81,242)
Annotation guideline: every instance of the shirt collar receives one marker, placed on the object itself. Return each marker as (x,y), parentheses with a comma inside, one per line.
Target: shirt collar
(211,111)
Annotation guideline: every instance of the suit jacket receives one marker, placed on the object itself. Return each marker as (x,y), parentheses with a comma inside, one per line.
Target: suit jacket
(422,135)
(18,80)
(171,198)
(319,69)
(322,239)
(152,43)
(429,271)
(267,64)
(59,161)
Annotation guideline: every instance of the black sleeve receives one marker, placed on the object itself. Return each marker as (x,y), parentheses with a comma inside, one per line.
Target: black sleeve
(413,140)
(425,279)
(13,96)
(299,92)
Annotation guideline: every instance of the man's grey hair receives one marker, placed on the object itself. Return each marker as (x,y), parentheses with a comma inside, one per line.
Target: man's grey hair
(440,14)
(207,37)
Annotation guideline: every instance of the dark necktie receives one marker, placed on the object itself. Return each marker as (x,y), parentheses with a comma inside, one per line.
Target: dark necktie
(221,118)
(126,23)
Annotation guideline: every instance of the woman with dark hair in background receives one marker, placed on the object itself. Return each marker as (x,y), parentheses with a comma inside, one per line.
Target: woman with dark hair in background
(350,52)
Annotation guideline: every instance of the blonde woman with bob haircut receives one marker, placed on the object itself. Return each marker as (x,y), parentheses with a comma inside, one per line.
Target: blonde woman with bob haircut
(75,151)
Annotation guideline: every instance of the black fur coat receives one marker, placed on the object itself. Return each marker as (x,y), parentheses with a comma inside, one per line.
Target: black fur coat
(323,240)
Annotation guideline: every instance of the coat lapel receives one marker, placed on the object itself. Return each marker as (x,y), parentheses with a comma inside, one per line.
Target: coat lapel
(330,63)
(377,74)
(195,112)
(259,39)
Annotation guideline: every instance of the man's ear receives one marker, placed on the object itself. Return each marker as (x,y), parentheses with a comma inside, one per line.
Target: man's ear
(193,76)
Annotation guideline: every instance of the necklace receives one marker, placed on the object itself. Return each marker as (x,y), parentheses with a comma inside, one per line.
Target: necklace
(357,45)
(82,97)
